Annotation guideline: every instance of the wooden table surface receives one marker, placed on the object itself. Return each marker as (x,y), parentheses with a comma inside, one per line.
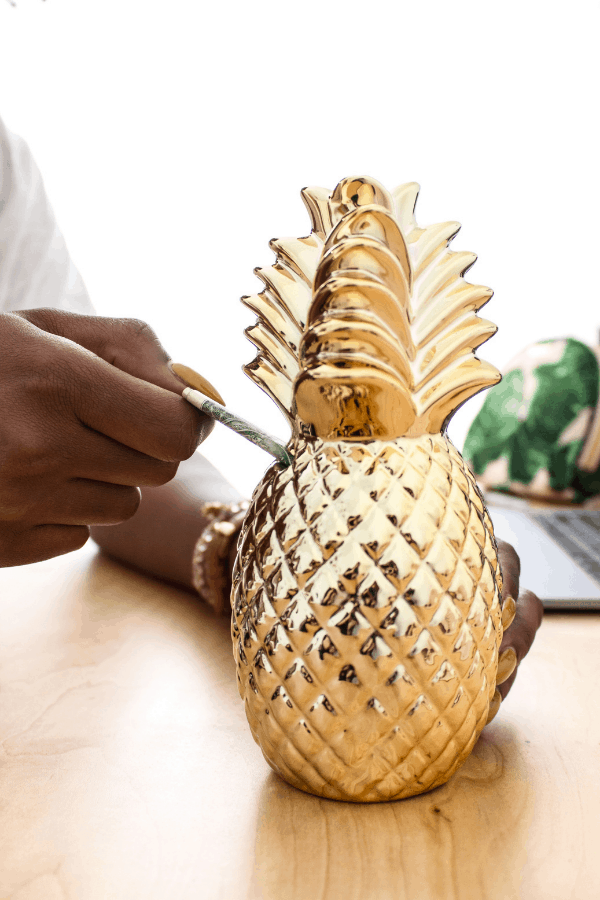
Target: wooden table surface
(127,770)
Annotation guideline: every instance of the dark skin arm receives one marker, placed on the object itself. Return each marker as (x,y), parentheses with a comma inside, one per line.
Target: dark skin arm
(160,539)
(528,618)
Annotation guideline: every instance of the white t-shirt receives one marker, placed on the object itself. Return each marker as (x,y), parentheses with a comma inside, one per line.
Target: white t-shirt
(35,266)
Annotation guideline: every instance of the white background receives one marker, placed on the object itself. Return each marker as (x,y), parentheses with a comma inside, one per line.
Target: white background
(174,138)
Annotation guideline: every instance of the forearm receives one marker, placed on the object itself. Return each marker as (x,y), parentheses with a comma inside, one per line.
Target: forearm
(159,539)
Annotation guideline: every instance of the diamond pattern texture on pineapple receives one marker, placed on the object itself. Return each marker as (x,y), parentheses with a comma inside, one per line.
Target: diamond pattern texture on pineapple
(416,611)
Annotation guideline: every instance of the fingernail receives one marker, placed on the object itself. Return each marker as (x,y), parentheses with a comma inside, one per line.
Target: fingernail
(506,665)
(494,706)
(196,381)
(509,608)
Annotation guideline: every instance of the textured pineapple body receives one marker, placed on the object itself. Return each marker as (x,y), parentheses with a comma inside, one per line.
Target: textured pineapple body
(366,618)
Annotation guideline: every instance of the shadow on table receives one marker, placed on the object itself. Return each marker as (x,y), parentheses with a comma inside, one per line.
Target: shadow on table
(463,840)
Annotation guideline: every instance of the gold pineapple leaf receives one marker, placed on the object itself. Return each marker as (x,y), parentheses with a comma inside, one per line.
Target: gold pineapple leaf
(366,328)
(281,309)
(282,306)
(356,354)
(445,329)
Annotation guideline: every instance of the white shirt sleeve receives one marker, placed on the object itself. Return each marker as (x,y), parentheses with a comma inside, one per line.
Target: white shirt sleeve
(35,266)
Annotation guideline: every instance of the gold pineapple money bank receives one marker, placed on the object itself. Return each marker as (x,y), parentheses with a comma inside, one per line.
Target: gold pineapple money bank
(366,596)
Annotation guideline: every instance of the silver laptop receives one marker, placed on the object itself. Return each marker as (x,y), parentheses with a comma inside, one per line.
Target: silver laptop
(559,551)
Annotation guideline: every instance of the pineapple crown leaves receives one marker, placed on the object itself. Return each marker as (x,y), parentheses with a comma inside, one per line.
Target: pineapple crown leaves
(366,328)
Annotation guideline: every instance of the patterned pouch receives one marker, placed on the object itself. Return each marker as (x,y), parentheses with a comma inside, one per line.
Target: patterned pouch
(538,431)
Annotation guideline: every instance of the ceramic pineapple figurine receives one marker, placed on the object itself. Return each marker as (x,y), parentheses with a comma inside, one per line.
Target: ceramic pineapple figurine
(366,597)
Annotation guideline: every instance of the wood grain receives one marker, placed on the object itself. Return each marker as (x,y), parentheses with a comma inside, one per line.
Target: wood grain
(127,770)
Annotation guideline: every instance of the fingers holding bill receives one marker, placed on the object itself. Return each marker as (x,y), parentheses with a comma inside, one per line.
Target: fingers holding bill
(510,565)
(522,613)
(518,639)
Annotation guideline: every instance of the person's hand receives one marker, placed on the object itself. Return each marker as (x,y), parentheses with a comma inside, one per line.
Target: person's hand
(520,634)
(88,412)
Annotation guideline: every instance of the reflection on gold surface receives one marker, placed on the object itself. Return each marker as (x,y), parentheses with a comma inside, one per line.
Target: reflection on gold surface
(366,593)
(367,616)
